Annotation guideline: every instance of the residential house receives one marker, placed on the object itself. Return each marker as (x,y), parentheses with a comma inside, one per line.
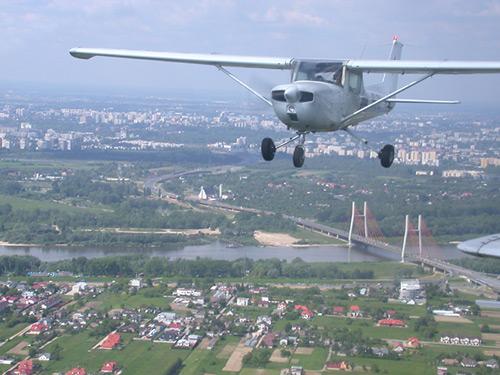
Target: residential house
(412,342)
(111,341)
(77,371)
(38,327)
(6,360)
(242,301)
(44,357)
(136,283)
(355,311)
(268,340)
(109,367)
(391,323)
(468,362)
(25,367)
(51,302)
(338,366)
(338,310)
(398,347)
(305,312)
(491,363)
(380,351)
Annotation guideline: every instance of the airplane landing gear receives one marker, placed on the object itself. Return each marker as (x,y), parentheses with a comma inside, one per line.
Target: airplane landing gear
(299,156)
(268,149)
(386,156)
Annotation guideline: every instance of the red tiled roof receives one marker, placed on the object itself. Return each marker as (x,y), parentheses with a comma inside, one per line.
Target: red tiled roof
(304,310)
(25,367)
(109,367)
(38,327)
(355,308)
(336,365)
(338,309)
(111,341)
(392,322)
(77,371)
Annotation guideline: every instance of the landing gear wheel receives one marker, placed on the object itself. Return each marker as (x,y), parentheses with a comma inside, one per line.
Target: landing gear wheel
(299,156)
(386,156)
(268,149)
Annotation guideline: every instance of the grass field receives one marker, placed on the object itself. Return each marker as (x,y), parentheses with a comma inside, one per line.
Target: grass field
(316,238)
(202,361)
(6,332)
(32,204)
(314,361)
(366,326)
(110,301)
(137,357)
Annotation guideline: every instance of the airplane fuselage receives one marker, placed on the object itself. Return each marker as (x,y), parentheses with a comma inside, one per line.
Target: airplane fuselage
(316,106)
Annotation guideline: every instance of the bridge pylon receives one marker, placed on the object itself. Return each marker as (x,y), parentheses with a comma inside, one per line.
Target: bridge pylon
(405,238)
(354,214)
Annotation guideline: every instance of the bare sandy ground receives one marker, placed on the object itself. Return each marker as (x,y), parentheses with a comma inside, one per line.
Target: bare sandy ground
(19,349)
(204,343)
(9,244)
(277,358)
(184,232)
(226,351)
(493,337)
(492,352)
(451,319)
(490,313)
(275,239)
(235,361)
(304,351)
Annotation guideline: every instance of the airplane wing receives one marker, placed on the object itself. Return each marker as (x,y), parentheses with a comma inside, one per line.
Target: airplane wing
(193,58)
(424,67)
(487,246)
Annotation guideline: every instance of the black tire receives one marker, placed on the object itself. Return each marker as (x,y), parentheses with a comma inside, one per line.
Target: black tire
(268,149)
(299,156)
(386,156)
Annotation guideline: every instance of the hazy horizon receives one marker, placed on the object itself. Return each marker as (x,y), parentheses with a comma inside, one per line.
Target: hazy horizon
(38,34)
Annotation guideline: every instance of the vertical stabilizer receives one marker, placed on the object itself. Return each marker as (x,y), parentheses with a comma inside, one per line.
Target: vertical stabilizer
(390,80)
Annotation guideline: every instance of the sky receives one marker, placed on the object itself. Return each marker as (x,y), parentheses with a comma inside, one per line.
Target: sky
(37,34)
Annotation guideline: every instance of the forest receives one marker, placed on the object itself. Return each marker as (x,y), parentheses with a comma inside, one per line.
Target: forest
(129,266)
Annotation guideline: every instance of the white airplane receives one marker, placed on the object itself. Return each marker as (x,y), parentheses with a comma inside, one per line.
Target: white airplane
(486,246)
(323,95)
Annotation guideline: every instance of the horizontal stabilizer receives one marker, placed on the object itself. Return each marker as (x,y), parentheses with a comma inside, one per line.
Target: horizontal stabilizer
(423,101)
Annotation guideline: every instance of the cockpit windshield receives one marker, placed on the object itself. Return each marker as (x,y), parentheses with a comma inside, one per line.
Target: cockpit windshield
(330,72)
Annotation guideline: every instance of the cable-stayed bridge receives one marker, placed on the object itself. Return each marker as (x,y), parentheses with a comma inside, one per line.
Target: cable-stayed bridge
(418,245)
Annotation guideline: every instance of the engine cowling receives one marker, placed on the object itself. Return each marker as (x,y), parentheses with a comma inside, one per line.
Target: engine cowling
(308,105)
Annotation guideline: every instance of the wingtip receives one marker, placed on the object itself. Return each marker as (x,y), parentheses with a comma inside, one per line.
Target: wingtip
(77,53)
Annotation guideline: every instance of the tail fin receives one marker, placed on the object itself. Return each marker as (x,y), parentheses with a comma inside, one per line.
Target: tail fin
(390,80)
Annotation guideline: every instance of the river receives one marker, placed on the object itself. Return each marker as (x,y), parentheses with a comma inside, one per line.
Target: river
(218,250)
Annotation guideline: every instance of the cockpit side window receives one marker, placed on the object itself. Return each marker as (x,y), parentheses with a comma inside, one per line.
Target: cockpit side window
(330,72)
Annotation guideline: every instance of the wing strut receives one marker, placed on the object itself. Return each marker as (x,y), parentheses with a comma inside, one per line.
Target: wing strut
(241,83)
(346,119)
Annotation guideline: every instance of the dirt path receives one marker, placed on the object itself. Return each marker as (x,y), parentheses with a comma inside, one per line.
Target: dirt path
(235,361)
